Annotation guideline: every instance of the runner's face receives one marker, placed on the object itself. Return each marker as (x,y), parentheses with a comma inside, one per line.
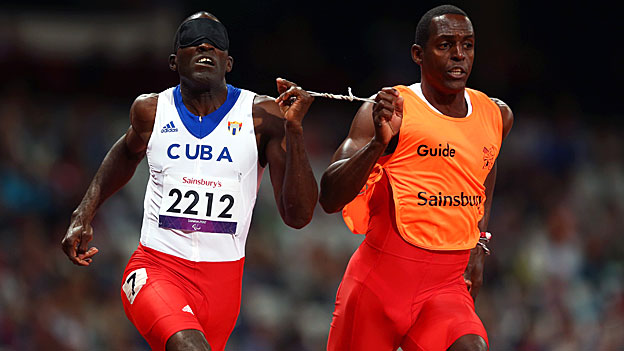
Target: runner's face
(449,53)
(203,63)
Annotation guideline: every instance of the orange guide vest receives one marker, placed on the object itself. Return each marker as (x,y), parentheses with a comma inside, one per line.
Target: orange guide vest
(437,173)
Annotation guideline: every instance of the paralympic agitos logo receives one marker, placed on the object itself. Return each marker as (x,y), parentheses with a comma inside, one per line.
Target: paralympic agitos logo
(488,157)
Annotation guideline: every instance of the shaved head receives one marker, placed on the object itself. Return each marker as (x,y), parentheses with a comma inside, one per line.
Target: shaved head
(201,14)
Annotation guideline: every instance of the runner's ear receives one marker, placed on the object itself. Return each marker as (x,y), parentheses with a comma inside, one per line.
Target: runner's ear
(173,63)
(417,53)
(230,64)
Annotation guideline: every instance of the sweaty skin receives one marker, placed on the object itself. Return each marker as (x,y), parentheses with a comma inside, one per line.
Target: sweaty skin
(279,140)
(279,136)
(446,62)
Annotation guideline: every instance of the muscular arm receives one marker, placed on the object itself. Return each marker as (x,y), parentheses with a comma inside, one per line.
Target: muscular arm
(474,271)
(115,171)
(490,181)
(294,185)
(372,129)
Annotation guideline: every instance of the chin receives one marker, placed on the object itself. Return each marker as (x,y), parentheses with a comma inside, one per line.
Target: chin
(455,86)
(205,77)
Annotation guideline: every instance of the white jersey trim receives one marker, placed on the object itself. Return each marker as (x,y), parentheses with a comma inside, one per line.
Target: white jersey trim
(417,89)
(197,157)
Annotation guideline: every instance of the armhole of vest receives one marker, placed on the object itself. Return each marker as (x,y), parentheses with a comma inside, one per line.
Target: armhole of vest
(401,89)
(478,95)
(499,121)
(155,126)
(251,96)
(397,217)
(501,125)
(247,94)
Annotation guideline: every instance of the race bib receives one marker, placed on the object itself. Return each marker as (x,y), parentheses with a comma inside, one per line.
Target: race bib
(133,284)
(200,204)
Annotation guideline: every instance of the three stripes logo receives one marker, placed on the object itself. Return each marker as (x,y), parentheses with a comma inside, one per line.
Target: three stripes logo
(169,128)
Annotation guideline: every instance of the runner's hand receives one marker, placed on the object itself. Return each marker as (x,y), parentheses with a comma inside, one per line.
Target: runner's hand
(387,114)
(76,241)
(473,275)
(293,101)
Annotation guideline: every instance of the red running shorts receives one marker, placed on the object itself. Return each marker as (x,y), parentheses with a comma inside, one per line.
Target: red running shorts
(394,294)
(163,294)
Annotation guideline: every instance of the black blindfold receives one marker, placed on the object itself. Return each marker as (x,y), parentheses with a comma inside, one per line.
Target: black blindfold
(201,30)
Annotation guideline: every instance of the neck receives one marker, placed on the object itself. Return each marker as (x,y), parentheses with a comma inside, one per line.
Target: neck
(203,100)
(452,104)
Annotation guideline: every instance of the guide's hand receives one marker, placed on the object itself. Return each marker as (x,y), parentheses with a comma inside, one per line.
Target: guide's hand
(473,275)
(387,114)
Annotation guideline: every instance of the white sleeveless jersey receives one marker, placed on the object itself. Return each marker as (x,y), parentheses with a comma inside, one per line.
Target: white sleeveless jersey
(204,178)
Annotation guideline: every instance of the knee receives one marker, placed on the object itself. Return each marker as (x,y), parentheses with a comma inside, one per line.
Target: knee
(469,343)
(188,340)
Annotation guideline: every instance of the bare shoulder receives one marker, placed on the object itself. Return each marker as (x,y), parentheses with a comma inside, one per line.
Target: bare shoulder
(363,122)
(144,108)
(265,106)
(506,114)
(268,119)
(500,103)
(504,108)
(361,131)
(268,124)
(260,99)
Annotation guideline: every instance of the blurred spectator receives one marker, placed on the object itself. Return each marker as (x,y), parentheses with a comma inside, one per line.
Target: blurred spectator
(554,281)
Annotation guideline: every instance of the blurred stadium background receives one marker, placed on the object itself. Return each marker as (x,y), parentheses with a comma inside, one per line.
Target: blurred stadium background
(70,71)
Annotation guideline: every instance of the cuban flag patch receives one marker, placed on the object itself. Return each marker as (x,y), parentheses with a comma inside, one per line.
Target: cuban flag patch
(234,127)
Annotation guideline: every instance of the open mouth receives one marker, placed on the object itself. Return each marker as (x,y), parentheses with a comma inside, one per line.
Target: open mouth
(206,61)
(456,72)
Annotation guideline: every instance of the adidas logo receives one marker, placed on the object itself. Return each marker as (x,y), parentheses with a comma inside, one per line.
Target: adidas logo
(169,128)
(188,309)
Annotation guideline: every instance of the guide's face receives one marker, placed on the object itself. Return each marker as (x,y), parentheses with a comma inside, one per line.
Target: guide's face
(447,58)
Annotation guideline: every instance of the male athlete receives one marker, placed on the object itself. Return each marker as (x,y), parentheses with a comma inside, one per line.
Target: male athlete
(207,144)
(416,175)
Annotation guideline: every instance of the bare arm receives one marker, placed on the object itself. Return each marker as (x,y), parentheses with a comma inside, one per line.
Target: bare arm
(115,171)
(372,129)
(474,271)
(294,185)
(490,181)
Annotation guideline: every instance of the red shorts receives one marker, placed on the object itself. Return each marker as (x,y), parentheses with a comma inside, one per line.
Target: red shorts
(394,294)
(163,294)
